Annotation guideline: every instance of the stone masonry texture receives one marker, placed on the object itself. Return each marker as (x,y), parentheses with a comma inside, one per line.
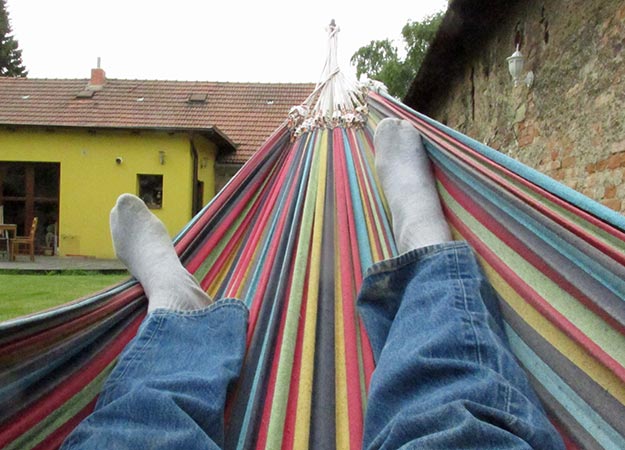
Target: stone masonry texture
(570,124)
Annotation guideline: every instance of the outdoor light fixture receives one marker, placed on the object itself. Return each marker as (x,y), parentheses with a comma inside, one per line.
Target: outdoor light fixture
(515,67)
(161,157)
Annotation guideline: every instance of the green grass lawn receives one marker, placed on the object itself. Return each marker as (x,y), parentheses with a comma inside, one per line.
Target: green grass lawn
(26,294)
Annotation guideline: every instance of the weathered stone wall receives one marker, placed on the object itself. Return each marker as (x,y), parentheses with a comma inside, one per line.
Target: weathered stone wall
(571,123)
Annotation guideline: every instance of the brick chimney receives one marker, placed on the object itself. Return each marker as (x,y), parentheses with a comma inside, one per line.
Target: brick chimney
(98,78)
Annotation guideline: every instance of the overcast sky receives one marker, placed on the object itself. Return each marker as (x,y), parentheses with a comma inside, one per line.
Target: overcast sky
(225,40)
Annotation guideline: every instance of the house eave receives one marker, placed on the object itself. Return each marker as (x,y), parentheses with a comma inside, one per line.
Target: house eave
(222,141)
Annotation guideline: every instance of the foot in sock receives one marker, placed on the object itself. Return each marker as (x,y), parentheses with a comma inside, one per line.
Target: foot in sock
(409,186)
(142,243)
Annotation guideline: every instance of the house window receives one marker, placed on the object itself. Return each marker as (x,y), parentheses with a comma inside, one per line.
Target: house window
(151,190)
(29,190)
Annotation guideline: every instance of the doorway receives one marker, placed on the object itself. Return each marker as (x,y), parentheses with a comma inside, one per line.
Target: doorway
(29,190)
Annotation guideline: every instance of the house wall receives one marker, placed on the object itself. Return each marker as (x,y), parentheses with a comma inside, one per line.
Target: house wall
(571,123)
(91,180)
(207,152)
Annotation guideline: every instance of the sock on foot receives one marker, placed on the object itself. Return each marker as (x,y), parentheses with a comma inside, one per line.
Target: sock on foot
(409,186)
(142,243)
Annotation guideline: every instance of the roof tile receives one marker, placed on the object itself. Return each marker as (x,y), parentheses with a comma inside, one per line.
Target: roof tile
(246,112)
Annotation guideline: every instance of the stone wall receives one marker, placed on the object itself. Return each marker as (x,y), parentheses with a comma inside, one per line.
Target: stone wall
(570,124)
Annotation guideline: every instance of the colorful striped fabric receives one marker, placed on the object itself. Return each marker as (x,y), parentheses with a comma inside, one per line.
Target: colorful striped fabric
(292,235)
(557,260)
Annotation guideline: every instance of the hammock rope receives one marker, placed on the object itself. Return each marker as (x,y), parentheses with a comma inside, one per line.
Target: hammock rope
(338,100)
(292,235)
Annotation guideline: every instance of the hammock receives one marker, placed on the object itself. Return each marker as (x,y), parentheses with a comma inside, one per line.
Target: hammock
(292,235)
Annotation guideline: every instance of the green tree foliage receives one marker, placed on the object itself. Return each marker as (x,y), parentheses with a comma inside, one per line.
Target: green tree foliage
(380,60)
(10,56)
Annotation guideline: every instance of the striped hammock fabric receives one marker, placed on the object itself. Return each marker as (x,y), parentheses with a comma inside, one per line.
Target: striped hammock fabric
(292,235)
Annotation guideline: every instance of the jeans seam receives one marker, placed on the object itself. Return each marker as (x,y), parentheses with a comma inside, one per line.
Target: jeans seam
(221,303)
(138,354)
(418,254)
(465,300)
(507,398)
(160,315)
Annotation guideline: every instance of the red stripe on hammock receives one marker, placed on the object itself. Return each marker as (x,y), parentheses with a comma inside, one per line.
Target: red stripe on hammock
(242,265)
(533,298)
(251,246)
(542,208)
(49,336)
(367,352)
(224,196)
(230,248)
(379,210)
(517,245)
(273,375)
(365,188)
(271,256)
(455,146)
(66,390)
(218,233)
(56,438)
(354,403)
(569,443)
(291,411)
(224,257)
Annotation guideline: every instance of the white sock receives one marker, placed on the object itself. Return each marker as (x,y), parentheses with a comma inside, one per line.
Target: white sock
(142,243)
(409,186)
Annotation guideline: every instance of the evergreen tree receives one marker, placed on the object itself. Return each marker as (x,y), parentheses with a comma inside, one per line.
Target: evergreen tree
(380,60)
(10,56)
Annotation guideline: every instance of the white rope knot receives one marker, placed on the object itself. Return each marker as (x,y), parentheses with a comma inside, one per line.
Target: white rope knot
(337,101)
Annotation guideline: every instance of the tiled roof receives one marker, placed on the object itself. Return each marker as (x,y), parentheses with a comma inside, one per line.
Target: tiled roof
(247,113)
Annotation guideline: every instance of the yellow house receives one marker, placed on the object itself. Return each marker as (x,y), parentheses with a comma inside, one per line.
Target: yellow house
(68,148)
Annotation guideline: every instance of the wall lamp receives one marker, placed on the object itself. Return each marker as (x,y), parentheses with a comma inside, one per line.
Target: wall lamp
(515,67)
(161,157)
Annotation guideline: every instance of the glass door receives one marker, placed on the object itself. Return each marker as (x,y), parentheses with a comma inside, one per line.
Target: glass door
(29,190)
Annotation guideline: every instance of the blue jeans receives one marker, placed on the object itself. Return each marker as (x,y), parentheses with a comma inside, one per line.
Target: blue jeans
(444,379)
(169,387)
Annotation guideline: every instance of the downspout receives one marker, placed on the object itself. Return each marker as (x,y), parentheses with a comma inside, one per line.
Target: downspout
(195,158)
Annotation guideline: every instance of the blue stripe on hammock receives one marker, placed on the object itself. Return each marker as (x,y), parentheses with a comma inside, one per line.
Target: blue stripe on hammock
(306,146)
(269,237)
(65,310)
(377,193)
(532,175)
(608,279)
(594,424)
(359,214)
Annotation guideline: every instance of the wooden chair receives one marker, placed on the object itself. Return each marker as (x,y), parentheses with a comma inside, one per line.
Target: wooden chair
(4,235)
(29,241)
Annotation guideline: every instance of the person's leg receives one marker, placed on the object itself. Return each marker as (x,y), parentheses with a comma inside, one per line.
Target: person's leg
(445,377)
(169,387)
(405,173)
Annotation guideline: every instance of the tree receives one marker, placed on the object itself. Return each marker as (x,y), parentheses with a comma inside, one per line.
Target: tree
(380,60)
(10,56)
